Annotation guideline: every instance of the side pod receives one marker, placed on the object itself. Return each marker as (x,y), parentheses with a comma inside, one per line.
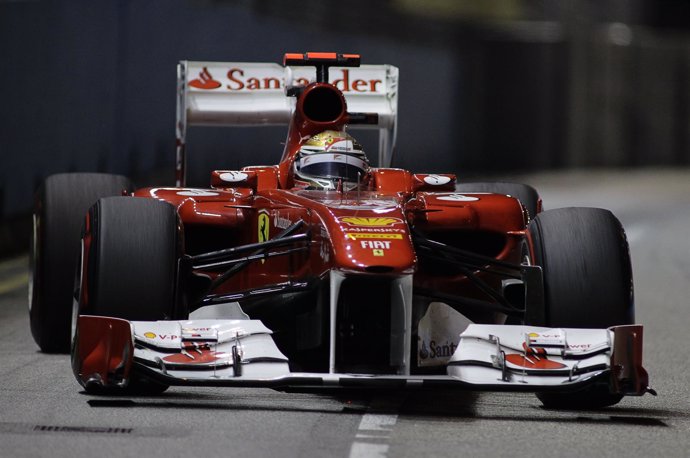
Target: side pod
(103,352)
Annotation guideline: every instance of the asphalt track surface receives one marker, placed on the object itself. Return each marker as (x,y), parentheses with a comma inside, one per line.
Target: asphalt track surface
(43,411)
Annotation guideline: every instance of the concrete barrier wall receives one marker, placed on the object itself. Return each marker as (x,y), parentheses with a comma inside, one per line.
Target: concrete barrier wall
(90,86)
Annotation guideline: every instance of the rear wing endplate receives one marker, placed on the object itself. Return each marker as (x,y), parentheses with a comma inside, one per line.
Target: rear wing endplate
(254,94)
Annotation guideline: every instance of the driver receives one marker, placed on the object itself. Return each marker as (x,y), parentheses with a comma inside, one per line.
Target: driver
(331,160)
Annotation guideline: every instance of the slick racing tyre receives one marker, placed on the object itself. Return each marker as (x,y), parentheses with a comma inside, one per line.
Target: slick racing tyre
(587,276)
(131,251)
(60,209)
(131,259)
(526,194)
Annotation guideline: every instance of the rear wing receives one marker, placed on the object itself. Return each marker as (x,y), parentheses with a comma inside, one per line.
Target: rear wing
(254,94)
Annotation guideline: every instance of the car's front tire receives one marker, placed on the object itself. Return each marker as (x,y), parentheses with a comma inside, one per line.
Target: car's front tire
(587,274)
(130,264)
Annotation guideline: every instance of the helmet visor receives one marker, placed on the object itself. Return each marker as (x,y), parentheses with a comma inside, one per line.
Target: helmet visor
(333,165)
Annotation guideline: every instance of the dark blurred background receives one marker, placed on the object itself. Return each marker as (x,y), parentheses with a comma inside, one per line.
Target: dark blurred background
(486,87)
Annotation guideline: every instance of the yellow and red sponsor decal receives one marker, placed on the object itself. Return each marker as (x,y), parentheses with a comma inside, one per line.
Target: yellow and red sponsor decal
(153,335)
(369,221)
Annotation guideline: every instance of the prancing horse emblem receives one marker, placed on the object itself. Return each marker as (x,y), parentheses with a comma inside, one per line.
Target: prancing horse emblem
(263,229)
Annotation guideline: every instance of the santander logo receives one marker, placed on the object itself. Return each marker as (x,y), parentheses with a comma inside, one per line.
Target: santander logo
(238,79)
(205,81)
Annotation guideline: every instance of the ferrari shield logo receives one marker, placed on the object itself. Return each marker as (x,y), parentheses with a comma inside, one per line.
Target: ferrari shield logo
(263,225)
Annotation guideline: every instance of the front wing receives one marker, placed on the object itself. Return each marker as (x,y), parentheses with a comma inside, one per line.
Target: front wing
(109,352)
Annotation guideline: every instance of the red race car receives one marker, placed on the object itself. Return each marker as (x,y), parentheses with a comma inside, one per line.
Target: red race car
(323,271)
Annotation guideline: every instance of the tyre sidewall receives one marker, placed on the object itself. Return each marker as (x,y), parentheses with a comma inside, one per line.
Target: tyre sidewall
(585,261)
(60,208)
(131,259)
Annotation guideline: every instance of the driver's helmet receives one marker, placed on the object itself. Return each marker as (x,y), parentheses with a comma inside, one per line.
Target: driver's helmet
(330,160)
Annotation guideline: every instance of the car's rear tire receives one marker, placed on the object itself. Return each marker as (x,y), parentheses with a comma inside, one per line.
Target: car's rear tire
(61,206)
(526,194)
(132,247)
(587,275)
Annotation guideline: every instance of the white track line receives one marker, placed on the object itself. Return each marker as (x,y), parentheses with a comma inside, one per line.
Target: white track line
(375,429)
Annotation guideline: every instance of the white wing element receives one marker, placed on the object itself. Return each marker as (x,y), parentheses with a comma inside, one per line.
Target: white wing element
(109,352)
(252,94)
(208,349)
(490,355)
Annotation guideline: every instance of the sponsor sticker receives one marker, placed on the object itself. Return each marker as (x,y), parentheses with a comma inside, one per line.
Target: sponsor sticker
(205,81)
(379,206)
(382,230)
(281,223)
(324,252)
(260,77)
(444,350)
(153,335)
(233,177)
(372,235)
(436,180)
(439,334)
(376,244)
(458,198)
(197,193)
(550,338)
(369,221)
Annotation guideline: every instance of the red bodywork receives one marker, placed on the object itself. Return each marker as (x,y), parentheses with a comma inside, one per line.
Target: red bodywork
(345,234)
(367,235)
(366,231)
(343,280)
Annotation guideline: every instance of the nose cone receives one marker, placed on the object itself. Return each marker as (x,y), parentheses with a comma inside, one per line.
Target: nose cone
(371,242)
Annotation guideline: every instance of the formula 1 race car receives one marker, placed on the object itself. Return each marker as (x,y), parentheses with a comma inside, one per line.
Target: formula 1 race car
(324,272)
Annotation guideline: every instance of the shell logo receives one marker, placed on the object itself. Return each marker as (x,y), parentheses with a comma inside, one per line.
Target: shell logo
(149,335)
(369,222)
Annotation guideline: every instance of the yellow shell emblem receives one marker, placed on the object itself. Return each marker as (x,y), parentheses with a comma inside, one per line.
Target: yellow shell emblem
(369,222)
